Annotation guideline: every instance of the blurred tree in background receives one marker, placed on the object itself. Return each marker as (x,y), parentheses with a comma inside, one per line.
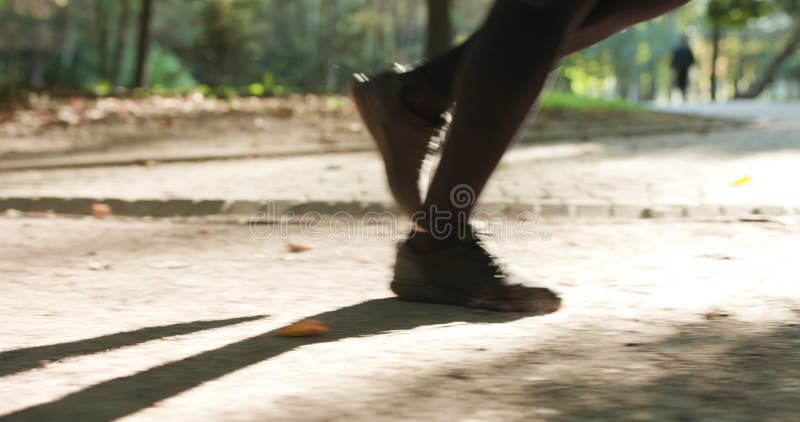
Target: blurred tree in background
(142,43)
(730,14)
(790,11)
(745,48)
(440,29)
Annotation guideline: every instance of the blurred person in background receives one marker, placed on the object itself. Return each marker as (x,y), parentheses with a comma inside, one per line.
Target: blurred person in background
(682,61)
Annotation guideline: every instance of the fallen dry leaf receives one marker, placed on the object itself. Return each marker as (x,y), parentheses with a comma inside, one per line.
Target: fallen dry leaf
(280,112)
(298,248)
(98,265)
(171,265)
(41,214)
(261,123)
(755,218)
(101,210)
(304,328)
(328,140)
(716,315)
(42,363)
(351,127)
(719,256)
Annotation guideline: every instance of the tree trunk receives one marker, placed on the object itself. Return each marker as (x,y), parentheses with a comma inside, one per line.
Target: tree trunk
(330,18)
(69,40)
(716,35)
(119,48)
(653,81)
(622,82)
(774,66)
(218,42)
(401,13)
(101,26)
(15,27)
(740,62)
(440,29)
(412,25)
(388,48)
(36,79)
(300,31)
(143,43)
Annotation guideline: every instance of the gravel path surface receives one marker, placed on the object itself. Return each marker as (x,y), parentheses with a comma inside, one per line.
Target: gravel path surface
(160,320)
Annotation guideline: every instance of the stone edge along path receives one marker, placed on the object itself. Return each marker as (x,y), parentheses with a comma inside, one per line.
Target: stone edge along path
(281,210)
(701,124)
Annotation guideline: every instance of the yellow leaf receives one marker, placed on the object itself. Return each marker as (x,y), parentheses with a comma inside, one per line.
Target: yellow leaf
(742,181)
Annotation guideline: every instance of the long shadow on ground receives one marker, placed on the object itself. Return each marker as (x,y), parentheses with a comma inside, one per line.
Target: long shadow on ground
(123,396)
(19,360)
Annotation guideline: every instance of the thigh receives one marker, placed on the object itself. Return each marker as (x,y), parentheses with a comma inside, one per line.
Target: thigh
(577,5)
(608,17)
(631,11)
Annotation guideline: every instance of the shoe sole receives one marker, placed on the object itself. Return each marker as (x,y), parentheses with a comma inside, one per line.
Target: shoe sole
(415,292)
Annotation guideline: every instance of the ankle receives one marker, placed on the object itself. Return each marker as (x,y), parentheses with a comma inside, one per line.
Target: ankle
(425,243)
(422,95)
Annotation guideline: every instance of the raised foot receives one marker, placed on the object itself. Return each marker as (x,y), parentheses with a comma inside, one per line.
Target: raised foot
(403,137)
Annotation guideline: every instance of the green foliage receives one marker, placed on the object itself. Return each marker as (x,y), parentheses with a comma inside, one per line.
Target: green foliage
(228,47)
(268,80)
(13,96)
(101,88)
(279,90)
(736,13)
(168,72)
(274,47)
(566,101)
(256,89)
(631,65)
(224,92)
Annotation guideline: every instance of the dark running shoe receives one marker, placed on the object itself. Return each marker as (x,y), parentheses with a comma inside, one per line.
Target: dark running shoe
(466,275)
(404,137)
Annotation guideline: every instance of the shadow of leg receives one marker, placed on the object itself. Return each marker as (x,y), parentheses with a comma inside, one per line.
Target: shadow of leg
(123,396)
(19,360)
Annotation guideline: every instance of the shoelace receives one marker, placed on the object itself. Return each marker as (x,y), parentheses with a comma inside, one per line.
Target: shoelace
(439,129)
(434,130)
